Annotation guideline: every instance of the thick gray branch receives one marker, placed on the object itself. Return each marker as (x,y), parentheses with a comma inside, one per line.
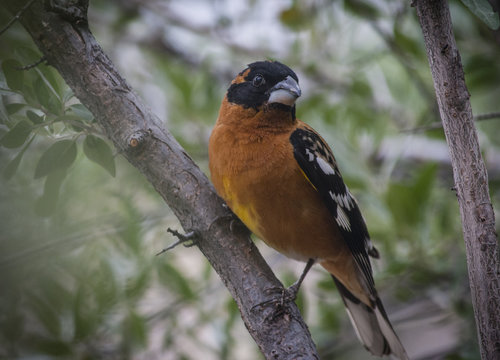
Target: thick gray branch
(471,179)
(68,45)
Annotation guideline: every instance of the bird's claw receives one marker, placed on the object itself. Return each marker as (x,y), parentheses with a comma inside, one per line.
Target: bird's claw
(182,239)
(286,295)
(290,293)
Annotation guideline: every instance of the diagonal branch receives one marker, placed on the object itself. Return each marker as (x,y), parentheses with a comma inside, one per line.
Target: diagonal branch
(138,134)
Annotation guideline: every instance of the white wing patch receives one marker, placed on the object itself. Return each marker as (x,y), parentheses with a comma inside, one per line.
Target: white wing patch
(310,154)
(344,200)
(325,166)
(342,219)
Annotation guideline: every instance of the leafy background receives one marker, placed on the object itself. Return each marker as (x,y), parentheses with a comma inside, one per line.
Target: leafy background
(80,226)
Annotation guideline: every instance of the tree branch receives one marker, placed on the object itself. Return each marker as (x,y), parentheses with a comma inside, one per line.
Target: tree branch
(16,17)
(471,179)
(137,133)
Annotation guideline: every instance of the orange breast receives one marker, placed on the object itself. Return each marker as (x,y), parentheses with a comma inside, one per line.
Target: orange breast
(263,184)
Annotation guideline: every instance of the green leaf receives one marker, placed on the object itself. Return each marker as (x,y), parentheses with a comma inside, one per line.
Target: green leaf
(30,96)
(52,79)
(13,76)
(34,117)
(99,152)
(296,17)
(59,155)
(81,111)
(483,10)
(12,166)
(67,95)
(46,204)
(42,92)
(72,121)
(28,54)
(14,107)
(362,9)
(46,96)
(17,135)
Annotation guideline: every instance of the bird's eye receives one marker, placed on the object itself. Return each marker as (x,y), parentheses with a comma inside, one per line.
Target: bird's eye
(258,80)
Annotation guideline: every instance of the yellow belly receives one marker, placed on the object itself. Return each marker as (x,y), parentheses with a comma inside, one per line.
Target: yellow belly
(244,210)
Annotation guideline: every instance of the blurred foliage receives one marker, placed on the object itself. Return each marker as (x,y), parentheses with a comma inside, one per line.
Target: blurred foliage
(80,226)
(483,10)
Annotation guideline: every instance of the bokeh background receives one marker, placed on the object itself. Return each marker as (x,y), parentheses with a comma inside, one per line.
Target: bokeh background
(80,227)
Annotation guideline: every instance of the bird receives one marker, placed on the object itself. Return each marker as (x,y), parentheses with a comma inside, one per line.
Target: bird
(281,179)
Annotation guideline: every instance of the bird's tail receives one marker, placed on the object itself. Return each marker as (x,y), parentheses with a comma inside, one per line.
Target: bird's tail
(372,325)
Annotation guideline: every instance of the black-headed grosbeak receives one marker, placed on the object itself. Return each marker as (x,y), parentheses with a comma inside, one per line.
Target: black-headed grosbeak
(281,179)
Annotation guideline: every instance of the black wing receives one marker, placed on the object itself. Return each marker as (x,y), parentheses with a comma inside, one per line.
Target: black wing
(316,160)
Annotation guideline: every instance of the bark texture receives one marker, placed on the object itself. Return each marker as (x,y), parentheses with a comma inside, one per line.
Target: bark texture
(469,171)
(63,36)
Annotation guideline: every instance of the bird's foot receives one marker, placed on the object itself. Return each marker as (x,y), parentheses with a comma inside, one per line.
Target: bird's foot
(286,295)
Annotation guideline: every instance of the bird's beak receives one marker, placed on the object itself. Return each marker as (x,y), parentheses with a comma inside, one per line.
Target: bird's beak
(285,92)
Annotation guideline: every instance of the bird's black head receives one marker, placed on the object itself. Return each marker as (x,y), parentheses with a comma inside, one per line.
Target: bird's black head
(265,83)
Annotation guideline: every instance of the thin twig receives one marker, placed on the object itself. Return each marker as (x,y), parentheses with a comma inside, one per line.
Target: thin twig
(31,66)
(16,17)
(419,129)
(489,116)
(438,125)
